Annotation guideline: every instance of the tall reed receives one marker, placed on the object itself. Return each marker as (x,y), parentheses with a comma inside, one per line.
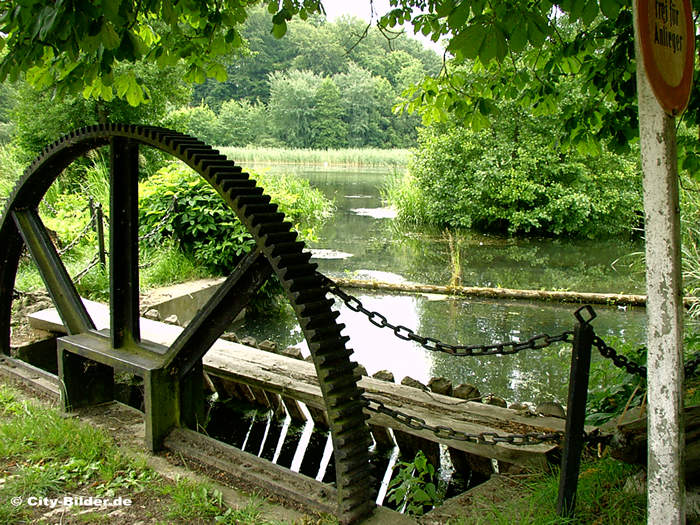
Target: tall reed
(355,157)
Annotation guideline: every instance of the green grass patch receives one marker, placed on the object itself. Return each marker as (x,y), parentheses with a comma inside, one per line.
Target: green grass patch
(600,499)
(44,454)
(355,157)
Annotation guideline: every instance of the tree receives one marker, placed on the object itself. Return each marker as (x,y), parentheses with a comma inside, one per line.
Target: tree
(40,119)
(242,123)
(328,128)
(291,107)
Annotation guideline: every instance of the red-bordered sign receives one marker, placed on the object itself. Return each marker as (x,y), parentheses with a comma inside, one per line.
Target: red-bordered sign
(667,40)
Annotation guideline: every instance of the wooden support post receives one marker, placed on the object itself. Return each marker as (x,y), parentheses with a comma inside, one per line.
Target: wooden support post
(666,488)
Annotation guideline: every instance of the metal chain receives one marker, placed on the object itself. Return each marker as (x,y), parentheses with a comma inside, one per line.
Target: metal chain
(68,247)
(619,360)
(444,432)
(691,366)
(161,222)
(435,345)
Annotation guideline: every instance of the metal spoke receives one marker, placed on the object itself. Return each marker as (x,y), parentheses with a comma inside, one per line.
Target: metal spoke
(123,242)
(55,276)
(219,312)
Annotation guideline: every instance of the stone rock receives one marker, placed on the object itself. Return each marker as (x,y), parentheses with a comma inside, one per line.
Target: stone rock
(518,406)
(466,391)
(152,314)
(495,401)
(361,370)
(294,352)
(440,385)
(229,336)
(249,341)
(409,381)
(268,346)
(384,375)
(172,319)
(551,409)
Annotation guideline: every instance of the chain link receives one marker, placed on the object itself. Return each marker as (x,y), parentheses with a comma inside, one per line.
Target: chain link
(619,360)
(434,345)
(692,366)
(482,438)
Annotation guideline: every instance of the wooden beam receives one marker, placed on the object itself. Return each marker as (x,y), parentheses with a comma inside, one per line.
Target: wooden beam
(297,379)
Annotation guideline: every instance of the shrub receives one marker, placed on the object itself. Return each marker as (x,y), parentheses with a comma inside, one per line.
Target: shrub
(178,204)
(512,178)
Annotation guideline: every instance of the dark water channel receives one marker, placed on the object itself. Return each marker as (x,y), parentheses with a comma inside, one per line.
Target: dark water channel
(362,241)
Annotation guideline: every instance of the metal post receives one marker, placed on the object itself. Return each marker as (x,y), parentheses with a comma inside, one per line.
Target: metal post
(100,229)
(666,436)
(575,412)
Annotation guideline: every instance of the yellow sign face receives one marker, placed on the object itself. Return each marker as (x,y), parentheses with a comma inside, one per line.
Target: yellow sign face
(667,40)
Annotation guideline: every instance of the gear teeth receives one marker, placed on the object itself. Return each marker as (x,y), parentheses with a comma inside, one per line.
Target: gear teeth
(357,476)
(322,348)
(292,260)
(300,284)
(252,205)
(210,165)
(284,249)
(269,219)
(272,227)
(254,200)
(305,296)
(295,272)
(273,238)
(229,173)
(230,184)
(235,191)
(325,333)
(309,310)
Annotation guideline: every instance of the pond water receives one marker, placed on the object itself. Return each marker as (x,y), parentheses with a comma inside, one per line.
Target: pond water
(363,241)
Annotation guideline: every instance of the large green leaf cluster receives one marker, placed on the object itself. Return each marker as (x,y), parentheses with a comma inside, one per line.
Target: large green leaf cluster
(513,178)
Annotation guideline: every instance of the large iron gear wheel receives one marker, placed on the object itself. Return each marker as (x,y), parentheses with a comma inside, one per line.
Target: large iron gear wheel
(277,248)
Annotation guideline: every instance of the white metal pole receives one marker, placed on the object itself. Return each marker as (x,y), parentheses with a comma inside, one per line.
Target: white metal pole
(666,486)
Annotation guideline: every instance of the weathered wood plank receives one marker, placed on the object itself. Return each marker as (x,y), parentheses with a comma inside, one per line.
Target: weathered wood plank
(506,293)
(297,379)
(295,487)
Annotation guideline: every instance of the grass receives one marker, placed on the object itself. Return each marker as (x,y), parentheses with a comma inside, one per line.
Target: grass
(600,499)
(46,455)
(355,157)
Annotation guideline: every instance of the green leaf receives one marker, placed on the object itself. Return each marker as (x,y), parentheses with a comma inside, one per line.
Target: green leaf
(518,38)
(459,16)
(590,11)
(469,41)
(535,32)
(109,37)
(610,8)
(279,30)
(493,46)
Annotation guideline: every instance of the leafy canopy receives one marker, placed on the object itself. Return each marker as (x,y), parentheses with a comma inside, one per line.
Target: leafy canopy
(75,45)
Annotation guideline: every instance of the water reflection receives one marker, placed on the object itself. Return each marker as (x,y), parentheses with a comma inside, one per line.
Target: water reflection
(362,241)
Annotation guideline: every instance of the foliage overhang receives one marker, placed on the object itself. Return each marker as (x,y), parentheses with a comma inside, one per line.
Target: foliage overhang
(574,58)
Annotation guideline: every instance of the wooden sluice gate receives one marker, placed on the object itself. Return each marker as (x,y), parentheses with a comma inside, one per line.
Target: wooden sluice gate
(237,370)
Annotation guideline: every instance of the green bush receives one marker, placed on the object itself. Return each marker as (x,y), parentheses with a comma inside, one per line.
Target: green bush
(513,179)
(178,204)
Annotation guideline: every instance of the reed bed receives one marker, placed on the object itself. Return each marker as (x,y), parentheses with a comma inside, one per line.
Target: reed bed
(353,157)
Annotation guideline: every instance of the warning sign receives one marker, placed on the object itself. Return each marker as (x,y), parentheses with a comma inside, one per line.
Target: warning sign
(667,41)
